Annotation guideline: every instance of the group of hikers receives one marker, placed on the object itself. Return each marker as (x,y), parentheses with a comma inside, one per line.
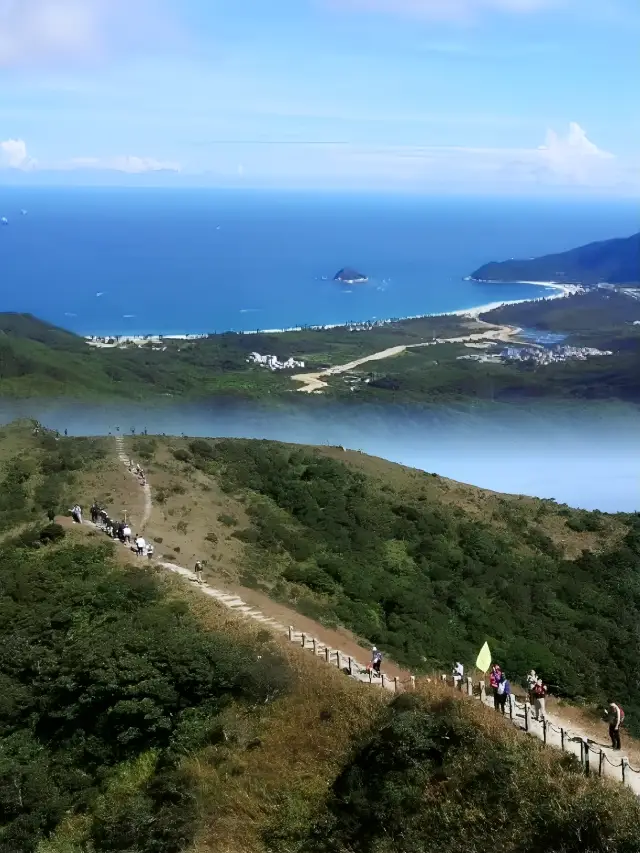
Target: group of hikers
(537,692)
(136,470)
(120,530)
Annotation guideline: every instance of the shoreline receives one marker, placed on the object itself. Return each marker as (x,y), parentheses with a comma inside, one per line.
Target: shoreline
(562,291)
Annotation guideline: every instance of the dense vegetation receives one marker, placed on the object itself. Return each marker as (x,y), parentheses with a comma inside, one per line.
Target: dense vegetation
(39,477)
(38,359)
(428,582)
(614,261)
(435,776)
(106,688)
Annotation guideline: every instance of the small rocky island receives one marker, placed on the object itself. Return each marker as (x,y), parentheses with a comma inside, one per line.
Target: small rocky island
(350,276)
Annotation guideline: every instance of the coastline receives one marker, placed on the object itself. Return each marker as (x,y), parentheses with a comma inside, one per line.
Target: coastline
(562,291)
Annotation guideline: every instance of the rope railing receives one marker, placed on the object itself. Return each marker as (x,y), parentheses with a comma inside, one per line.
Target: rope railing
(569,741)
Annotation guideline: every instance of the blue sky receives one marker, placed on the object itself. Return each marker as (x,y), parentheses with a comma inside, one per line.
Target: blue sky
(486,96)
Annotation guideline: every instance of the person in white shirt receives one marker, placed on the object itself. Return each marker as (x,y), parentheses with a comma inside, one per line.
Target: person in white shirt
(140,546)
(126,534)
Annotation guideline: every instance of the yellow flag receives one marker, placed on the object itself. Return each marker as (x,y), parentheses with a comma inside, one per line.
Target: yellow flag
(484,658)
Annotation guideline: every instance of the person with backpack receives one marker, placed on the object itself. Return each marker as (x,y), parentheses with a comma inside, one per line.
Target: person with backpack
(504,692)
(615,718)
(376,660)
(494,681)
(539,695)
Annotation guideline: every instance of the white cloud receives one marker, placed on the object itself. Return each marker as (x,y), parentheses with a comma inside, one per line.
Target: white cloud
(46,31)
(130,164)
(574,157)
(444,9)
(14,155)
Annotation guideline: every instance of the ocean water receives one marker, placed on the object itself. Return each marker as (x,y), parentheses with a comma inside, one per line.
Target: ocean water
(133,261)
(585,455)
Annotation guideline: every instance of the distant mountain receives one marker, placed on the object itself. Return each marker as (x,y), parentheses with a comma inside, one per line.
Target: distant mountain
(614,261)
(26,327)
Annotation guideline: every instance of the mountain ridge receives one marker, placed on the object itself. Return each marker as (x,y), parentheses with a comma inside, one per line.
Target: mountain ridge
(614,261)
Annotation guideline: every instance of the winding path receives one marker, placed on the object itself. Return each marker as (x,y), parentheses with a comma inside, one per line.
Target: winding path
(122,456)
(313,383)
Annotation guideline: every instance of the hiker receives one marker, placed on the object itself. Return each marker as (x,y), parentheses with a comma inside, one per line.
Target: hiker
(615,717)
(149,550)
(376,660)
(95,512)
(198,571)
(539,694)
(126,534)
(141,546)
(458,674)
(494,681)
(504,692)
(532,680)
(76,514)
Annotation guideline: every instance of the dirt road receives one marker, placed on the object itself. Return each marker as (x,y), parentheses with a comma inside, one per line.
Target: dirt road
(313,383)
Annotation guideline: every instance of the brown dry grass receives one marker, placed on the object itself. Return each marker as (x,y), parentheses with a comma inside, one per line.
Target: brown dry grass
(187,507)
(305,739)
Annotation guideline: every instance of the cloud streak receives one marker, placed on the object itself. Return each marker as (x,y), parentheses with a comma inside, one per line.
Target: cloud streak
(128,164)
(14,155)
(444,10)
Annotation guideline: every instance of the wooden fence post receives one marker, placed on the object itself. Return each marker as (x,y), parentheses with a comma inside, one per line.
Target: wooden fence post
(544,730)
(483,691)
(623,766)
(469,686)
(315,647)
(382,679)
(413,682)
(601,764)
(510,698)
(338,659)
(562,739)
(304,640)
(290,633)
(350,667)
(587,766)
(526,716)
(395,683)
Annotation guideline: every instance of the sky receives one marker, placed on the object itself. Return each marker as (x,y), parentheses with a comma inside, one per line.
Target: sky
(517,97)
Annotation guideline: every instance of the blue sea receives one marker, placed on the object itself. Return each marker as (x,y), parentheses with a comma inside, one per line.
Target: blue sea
(134,261)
